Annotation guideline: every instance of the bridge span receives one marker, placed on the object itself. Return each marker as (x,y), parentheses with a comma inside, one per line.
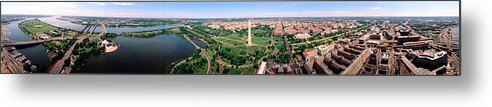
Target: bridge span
(24,43)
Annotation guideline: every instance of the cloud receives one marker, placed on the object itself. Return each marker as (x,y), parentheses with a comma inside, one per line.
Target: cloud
(97,3)
(377,8)
(124,4)
(56,5)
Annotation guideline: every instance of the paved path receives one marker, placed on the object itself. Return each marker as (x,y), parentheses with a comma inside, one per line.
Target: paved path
(202,52)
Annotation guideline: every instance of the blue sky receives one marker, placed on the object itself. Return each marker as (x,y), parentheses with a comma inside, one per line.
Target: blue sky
(234,9)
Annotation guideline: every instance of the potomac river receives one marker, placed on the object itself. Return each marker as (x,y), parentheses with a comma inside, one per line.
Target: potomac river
(135,55)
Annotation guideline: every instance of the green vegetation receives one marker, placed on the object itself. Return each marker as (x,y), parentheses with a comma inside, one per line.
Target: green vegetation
(143,22)
(282,58)
(213,31)
(196,65)
(222,46)
(248,70)
(241,55)
(259,31)
(57,48)
(232,47)
(35,26)
(280,44)
(229,42)
(85,50)
(301,44)
(148,34)
(262,41)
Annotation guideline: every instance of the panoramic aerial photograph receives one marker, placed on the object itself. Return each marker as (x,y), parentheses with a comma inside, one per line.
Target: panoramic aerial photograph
(354,38)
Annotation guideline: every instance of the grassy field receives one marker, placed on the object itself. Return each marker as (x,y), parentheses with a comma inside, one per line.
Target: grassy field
(231,48)
(35,26)
(229,42)
(262,41)
(235,37)
(280,44)
(235,51)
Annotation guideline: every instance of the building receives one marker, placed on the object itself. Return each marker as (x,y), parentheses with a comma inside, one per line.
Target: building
(320,68)
(44,36)
(324,49)
(214,26)
(310,53)
(262,69)
(431,61)
(302,36)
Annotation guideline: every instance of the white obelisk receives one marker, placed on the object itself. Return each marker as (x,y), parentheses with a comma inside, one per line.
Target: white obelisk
(249,33)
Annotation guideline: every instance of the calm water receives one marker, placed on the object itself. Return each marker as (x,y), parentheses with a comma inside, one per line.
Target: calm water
(199,43)
(36,54)
(136,55)
(118,30)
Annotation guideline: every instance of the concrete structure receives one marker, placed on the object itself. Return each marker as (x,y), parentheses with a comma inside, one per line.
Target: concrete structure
(262,69)
(310,53)
(321,68)
(324,49)
(302,36)
(249,33)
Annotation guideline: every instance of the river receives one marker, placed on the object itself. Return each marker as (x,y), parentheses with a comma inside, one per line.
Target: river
(135,55)
(36,54)
(150,55)
(118,30)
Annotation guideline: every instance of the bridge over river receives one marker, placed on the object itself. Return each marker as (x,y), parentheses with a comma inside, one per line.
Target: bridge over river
(58,66)
(27,43)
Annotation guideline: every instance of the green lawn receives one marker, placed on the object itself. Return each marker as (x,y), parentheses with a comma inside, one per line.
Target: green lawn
(229,42)
(35,26)
(234,37)
(262,41)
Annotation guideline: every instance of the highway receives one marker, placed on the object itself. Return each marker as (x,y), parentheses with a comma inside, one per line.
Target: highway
(57,67)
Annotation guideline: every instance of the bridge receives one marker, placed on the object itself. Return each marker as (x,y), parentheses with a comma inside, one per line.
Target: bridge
(27,43)
(58,66)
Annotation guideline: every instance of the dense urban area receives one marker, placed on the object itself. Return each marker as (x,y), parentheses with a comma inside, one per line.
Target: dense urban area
(277,45)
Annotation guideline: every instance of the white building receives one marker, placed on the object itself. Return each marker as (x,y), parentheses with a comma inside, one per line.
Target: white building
(262,69)
(44,36)
(325,49)
(214,26)
(303,36)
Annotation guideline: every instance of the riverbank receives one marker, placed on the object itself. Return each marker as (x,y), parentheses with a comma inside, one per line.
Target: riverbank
(148,34)
(35,26)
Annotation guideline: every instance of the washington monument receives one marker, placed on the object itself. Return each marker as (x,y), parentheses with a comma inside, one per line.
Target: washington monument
(249,33)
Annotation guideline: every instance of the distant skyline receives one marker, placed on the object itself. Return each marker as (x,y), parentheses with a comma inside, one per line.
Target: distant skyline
(235,9)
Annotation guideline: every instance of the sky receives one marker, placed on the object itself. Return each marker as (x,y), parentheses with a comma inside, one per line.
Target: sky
(234,9)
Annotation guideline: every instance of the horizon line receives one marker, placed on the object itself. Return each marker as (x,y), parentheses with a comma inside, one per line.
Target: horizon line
(221,17)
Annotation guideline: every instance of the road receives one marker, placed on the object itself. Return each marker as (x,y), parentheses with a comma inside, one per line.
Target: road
(57,67)
(202,52)
(351,31)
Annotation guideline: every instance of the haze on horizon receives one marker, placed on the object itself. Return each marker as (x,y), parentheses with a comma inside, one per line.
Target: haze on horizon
(234,9)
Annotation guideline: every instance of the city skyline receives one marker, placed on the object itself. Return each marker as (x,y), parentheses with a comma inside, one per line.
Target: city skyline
(231,9)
